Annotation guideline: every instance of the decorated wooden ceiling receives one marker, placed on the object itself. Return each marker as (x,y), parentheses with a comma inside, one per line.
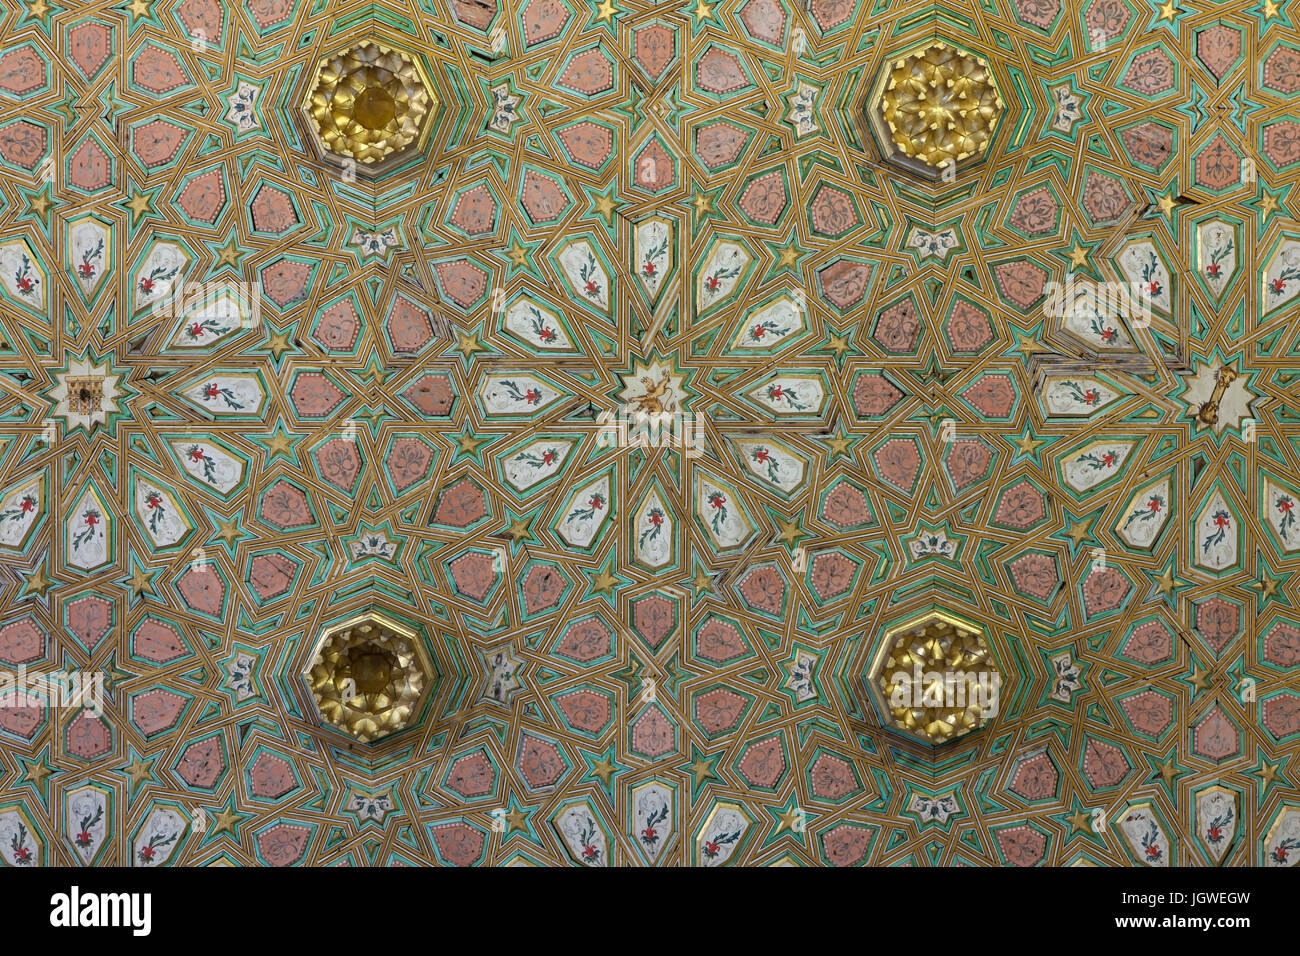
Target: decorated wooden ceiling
(462,432)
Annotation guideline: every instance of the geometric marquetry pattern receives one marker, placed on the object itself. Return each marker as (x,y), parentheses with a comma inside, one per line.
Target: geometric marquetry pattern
(650,654)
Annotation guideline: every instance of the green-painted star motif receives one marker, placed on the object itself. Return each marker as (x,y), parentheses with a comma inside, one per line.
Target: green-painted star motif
(1166,584)
(1166,770)
(1079,255)
(788,822)
(838,343)
(701,12)
(602,768)
(1077,530)
(603,206)
(223,821)
(277,341)
(516,821)
(279,444)
(39,203)
(1271,774)
(1166,15)
(604,14)
(604,582)
(36,773)
(1271,203)
(839,444)
(1201,678)
(469,345)
(703,206)
(700,770)
(1028,343)
(138,771)
(469,446)
(141,582)
(789,531)
(1269,11)
(1027,446)
(701,580)
(1083,821)
(518,256)
(785,258)
(518,529)
(68,106)
(225,530)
